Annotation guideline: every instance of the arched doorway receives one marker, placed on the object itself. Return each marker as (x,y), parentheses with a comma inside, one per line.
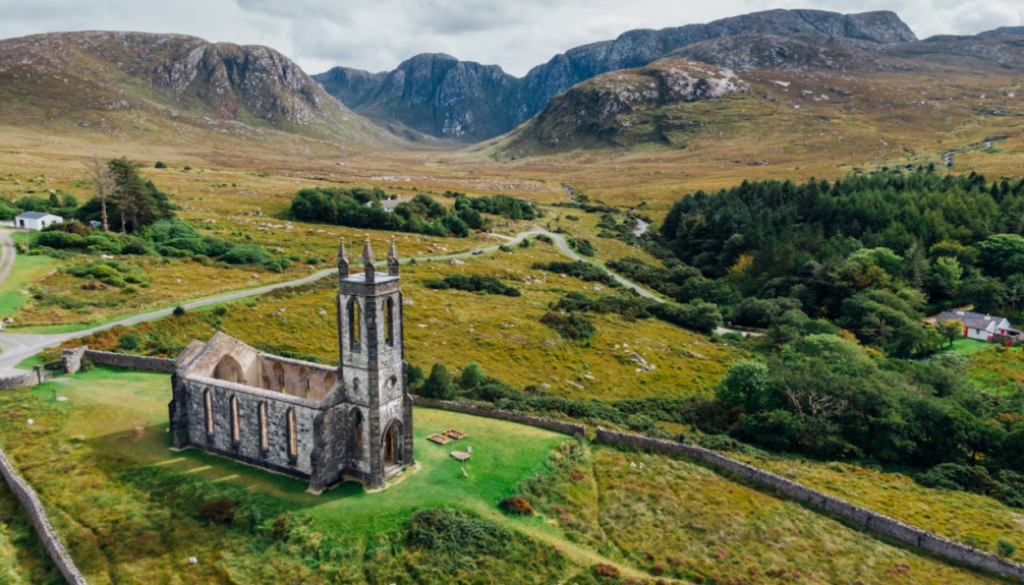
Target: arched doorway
(229,370)
(392,447)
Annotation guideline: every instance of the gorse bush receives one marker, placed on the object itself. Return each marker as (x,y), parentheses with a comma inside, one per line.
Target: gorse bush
(474,283)
(582,270)
(516,505)
(570,325)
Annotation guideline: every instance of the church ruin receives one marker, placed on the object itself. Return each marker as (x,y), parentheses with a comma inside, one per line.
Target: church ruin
(307,420)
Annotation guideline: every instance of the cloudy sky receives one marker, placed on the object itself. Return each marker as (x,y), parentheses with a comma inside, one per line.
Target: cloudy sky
(516,34)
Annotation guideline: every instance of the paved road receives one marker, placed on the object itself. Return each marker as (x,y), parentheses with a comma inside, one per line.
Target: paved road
(20,346)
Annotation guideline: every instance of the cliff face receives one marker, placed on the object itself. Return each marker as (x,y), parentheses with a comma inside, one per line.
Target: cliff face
(174,76)
(442,96)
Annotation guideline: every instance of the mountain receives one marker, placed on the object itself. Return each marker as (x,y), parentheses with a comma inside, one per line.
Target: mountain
(445,97)
(124,82)
(800,90)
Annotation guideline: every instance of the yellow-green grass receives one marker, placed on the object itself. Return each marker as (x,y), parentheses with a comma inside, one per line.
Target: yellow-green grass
(503,334)
(971,518)
(27,271)
(686,521)
(968,346)
(102,466)
(997,369)
(23,559)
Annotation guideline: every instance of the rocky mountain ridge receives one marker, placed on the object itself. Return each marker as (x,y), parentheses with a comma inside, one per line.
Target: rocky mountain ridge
(224,87)
(439,95)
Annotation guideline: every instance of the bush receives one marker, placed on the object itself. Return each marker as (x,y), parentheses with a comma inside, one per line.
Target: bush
(516,505)
(129,341)
(570,326)
(246,254)
(607,571)
(160,165)
(220,511)
(439,384)
(1005,548)
(446,531)
(475,283)
(220,311)
(179,311)
(473,375)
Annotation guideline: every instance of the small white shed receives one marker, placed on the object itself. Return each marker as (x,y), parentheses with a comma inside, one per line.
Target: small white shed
(36,220)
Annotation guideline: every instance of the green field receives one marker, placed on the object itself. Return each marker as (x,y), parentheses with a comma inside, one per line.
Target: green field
(26,272)
(126,504)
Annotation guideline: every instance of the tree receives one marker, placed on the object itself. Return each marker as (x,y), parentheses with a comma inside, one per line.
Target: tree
(746,385)
(439,384)
(951,330)
(944,277)
(103,181)
(138,202)
(473,376)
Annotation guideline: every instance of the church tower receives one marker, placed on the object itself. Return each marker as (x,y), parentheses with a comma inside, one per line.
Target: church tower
(371,347)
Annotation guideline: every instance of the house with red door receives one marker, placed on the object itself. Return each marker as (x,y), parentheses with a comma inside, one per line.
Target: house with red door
(981,327)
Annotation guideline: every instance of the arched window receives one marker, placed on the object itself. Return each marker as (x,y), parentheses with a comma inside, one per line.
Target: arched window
(329,381)
(293,443)
(304,384)
(264,431)
(279,376)
(353,323)
(208,404)
(389,321)
(357,433)
(229,370)
(236,432)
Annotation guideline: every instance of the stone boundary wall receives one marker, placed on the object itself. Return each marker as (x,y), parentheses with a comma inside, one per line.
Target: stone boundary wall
(27,496)
(867,519)
(130,362)
(37,376)
(566,428)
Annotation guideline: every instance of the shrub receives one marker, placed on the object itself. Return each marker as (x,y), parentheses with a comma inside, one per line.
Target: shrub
(439,384)
(570,325)
(1005,548)
(607,571)
(221,511)
(475,283)
(544,238)
(179,311)
(446,531)
(220,311)
(129,341)
(246,254)
(160,165)
(516,505)
(473,375)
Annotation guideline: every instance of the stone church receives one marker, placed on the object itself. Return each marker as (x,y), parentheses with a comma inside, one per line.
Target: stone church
(307,420)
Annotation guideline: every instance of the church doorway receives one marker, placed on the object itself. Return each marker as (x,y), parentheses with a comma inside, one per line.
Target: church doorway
(392,444)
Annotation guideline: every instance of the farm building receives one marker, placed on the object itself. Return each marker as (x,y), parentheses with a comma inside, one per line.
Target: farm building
(36,220)
(981,327)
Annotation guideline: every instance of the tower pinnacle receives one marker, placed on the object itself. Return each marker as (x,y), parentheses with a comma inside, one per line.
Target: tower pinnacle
(342,260)
(392,259)
(368,268)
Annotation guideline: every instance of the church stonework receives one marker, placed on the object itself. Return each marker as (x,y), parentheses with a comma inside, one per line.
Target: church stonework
(302,419)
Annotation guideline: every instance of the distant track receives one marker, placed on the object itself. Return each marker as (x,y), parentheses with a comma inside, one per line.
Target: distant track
(18,347)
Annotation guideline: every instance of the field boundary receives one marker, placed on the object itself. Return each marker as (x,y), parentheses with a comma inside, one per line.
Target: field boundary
(71,361)
(30,501)
(558,426)
(863,517)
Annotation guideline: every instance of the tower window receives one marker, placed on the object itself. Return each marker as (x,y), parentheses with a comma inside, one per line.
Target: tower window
(353,322)
(389,321)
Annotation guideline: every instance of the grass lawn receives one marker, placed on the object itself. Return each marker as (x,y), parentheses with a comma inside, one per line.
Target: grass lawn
(126,504)
(967,346)
(997,369)
(27,271)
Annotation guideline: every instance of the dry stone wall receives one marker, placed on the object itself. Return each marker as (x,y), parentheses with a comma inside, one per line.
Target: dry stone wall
(566,428)
(37,376)
(130,362)
(27,496)
(868,519)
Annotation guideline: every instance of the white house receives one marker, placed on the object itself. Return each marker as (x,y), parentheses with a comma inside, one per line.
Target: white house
(36,220)
(978,326)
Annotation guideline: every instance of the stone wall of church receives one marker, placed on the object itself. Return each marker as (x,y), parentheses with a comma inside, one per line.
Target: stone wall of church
(190,408)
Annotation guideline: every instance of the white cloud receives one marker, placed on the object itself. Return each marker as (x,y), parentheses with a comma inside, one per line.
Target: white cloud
(378,34)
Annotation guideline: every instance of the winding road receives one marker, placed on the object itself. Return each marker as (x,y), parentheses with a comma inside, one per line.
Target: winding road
(19,346)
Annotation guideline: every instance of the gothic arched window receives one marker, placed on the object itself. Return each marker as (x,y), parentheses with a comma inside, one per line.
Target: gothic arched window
(389,321)
(353,323)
